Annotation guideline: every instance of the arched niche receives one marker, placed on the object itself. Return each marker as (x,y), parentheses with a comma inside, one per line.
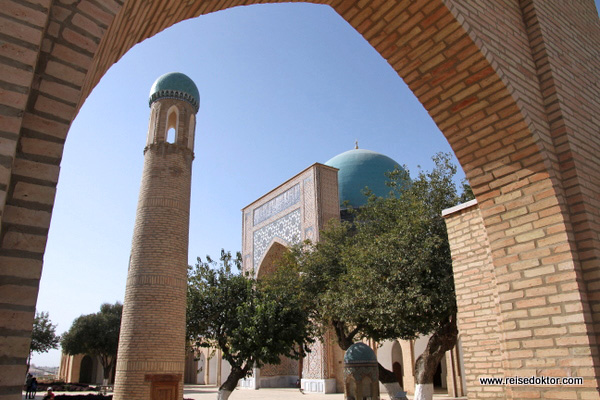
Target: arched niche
(86,370)
(269,261)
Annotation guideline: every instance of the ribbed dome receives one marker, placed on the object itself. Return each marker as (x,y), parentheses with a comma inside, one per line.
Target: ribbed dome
(359,353)
(359,168)
(175,85)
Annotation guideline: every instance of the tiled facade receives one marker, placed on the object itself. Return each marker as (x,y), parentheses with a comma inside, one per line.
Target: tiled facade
(512,85)
(293,212)
(287,228)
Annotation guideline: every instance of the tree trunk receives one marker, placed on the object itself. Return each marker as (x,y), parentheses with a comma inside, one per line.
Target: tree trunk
(231,382)
(389,380)
(345,339)
(441,341)
(106,369)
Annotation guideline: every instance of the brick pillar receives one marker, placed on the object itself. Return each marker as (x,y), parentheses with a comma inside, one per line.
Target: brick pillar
(489,327)
(151,356)
(477,299)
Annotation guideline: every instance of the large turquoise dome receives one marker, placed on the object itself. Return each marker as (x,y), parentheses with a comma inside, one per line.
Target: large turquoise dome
(175,85)
(359,168)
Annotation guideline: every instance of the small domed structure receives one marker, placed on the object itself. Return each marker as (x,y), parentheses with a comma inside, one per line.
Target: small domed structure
(175,85)
(361,374)
(360,353)
(360,168)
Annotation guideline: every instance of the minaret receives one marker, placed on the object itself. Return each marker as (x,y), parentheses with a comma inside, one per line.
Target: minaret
(151,354)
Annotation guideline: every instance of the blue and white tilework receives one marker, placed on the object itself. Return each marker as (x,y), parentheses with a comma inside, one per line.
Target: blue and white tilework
(278,204)
(287,228)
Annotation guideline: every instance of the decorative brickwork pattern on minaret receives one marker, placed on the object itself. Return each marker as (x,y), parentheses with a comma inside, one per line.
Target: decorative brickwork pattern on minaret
(151,356)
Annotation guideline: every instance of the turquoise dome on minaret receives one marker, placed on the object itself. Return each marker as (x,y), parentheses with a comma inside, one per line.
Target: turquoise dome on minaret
(360,168)
(175,85)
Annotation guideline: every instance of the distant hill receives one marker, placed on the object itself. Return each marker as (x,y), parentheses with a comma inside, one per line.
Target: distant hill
(43,372)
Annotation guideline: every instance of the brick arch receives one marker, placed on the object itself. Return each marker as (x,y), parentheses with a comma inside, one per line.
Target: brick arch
(267,264)
(512,86)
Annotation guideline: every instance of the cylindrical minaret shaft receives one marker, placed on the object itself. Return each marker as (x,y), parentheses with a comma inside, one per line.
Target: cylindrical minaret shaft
(151,355)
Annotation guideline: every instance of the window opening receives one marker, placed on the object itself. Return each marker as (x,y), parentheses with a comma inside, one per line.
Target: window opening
(172,125)
(170,135)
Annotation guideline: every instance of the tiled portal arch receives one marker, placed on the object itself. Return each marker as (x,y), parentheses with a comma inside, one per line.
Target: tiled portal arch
(512,85)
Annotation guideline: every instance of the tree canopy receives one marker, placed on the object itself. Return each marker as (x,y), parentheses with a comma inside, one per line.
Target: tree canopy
(387,273)
(250,323)
(43,335)
(398,259)
(96,335)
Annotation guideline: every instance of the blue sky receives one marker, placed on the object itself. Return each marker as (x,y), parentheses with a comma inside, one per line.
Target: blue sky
(282,87)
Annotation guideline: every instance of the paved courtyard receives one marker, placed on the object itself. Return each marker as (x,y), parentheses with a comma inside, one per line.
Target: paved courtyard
(204,392)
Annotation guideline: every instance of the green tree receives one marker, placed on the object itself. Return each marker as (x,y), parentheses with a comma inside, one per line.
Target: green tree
(250,323)
(96,335)
(388,274)
(43,335)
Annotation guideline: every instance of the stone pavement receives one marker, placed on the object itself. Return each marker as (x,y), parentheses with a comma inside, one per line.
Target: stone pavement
(206,392)
(202,392)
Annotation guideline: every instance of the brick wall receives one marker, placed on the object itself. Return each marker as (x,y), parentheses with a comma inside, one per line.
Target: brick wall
(488,332)
(479,324)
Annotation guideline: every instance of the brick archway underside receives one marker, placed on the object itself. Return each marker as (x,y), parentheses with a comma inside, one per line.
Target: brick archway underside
(513,87)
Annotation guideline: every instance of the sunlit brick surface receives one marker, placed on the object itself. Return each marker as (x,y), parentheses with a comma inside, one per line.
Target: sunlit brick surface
(152,339)
(477,300)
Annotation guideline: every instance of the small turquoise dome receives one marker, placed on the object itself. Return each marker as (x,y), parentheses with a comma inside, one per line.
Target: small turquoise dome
(359,168)
(359,353)
(175,85)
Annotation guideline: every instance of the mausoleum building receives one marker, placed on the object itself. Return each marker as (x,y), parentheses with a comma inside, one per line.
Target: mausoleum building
(296,211)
